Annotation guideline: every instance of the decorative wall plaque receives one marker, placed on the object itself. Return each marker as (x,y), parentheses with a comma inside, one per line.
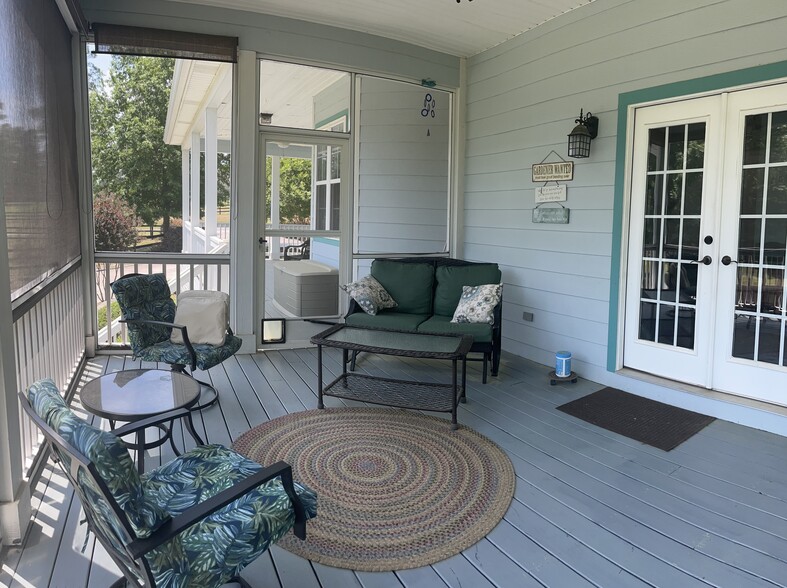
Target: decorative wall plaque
(551,194)
(552,172)
(552,216)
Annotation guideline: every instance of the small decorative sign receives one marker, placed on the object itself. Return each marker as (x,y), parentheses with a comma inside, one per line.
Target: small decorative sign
(551,194)
(552,216)
(551,172)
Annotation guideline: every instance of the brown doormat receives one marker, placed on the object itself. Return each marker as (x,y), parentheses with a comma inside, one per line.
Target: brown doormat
(638,418)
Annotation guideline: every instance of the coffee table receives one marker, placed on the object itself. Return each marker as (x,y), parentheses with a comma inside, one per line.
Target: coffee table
(394,392)
(132,395)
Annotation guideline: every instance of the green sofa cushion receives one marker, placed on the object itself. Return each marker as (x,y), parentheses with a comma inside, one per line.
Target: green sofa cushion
(450,280)
(387,319)
(410,284)
(481,332)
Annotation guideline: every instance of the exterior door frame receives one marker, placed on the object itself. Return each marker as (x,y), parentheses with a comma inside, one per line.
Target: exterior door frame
(686,365)
(735,373)
(299,331)
(775,73)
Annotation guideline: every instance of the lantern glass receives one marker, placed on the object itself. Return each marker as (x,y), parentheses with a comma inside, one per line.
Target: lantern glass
(579,142)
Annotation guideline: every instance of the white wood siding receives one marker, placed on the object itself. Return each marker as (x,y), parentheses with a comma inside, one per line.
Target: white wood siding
(522,99)
(402,168)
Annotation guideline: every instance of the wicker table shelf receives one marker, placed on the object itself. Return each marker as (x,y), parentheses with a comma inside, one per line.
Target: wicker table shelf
(429,396)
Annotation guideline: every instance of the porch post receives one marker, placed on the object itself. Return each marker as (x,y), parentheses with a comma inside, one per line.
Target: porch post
(195,190)
(185,176)
(246,285)
(211,174)
(14,489)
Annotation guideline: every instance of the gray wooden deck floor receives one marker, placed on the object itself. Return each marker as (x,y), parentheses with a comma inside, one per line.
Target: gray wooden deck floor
(591,508)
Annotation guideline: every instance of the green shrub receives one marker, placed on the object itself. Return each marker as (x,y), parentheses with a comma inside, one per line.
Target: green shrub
(172,238)
(102,314)
(115,224)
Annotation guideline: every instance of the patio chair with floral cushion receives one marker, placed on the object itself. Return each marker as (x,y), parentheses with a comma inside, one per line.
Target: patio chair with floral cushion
(150,313)
(196,521)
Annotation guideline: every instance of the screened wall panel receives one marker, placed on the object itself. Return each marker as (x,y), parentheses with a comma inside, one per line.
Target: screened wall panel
(38,164)
(403,162)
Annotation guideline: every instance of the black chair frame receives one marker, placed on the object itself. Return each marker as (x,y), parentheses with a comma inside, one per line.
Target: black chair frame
(206,390)
(135,548)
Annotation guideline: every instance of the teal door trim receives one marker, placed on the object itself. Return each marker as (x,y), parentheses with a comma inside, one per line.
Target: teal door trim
(718,82)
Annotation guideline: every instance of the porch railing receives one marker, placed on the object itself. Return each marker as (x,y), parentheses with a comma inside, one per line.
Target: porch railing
(184,271)
(275,245)
(49,341)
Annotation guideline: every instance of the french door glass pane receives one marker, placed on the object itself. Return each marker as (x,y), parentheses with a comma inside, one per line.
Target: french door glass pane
(755,137)
(777,190)
(759,316)
(321,208)
(335,207)
(752,186)
(779,137)
(671,237)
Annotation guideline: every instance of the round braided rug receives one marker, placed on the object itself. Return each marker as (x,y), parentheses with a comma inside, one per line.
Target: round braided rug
(396,489)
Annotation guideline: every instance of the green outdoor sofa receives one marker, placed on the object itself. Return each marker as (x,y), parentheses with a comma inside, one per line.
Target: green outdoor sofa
(427,292)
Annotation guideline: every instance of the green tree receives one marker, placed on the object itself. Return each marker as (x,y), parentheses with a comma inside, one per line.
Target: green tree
(130,158)
(295,188)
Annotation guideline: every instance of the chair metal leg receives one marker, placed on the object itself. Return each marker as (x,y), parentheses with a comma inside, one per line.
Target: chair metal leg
(208,394)
(352,361)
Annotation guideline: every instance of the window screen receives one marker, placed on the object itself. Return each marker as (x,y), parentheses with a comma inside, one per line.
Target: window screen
(38,164)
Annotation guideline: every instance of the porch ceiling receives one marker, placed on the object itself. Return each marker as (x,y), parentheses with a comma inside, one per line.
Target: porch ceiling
(461,28)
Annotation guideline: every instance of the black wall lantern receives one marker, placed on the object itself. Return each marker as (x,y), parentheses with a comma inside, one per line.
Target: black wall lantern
(579,139)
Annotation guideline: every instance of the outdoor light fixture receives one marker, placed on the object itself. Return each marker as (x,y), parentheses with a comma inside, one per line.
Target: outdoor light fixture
(579,139)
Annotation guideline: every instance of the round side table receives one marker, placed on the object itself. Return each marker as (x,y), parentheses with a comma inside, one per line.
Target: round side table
(131,395)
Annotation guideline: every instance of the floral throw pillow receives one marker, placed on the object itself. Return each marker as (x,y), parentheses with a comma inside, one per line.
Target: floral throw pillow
(370,295)
(478,303)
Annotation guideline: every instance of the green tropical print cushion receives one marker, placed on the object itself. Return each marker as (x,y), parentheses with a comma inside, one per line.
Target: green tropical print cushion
(145,297)
(108,454)
(216,549)
(207,355)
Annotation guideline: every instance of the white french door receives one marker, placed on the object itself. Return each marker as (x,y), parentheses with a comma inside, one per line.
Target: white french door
(707,236)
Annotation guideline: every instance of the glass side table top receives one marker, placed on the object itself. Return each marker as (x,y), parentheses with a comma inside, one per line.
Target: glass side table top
(135,394)
(380,341)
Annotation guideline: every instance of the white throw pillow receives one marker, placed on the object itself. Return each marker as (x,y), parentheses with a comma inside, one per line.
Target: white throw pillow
(205,314)
(370,295)
(477,304)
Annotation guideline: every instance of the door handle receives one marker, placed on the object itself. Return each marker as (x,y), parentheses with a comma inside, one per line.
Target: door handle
(727,260)
(707,260)
(262,240)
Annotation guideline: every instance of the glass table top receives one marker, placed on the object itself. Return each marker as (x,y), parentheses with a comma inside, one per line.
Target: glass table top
(135,394)
(394,340)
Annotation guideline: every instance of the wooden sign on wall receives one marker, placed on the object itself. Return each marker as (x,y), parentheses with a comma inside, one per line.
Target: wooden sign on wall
(551,194)
(552,172)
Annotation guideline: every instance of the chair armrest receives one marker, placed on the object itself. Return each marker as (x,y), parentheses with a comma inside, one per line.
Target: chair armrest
(353,308)
(183,331)
(196,513)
